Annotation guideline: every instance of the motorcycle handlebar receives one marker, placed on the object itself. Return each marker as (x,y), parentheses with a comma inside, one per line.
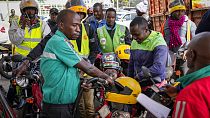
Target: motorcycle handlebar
(17,58)
(94,80)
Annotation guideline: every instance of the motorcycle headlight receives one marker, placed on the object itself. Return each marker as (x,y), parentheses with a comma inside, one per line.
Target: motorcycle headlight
(120,114)
(22,81)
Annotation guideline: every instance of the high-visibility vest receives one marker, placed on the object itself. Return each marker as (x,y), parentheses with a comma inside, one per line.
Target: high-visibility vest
(85,51)
(106,43)
(31,39)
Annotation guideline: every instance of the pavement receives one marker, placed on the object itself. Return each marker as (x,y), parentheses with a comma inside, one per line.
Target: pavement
(4,82)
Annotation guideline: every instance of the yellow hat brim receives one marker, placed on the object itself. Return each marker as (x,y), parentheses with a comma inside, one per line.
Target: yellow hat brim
(175,8)
(79,9)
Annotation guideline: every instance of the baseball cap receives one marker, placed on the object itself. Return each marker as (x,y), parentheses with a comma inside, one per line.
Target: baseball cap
(54,10)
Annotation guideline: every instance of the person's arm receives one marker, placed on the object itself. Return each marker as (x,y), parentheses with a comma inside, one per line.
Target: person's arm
(93,45)
(38,50)
(65,52)
(10,20)
(131,66)
(127,37)
(91,70)
(193,28)
(16,35)
(159,63)
(33,54)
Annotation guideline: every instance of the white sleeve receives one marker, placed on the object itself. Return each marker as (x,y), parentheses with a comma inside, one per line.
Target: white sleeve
(45,29)
(193,28)
(16,35)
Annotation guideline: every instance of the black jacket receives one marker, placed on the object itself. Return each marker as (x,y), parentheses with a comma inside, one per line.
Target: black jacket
(204,25)
(52,25)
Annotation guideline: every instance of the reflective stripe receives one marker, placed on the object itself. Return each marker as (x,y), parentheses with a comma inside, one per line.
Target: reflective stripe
(183,108)
(49,55)
(188,31)
(84,56)
(33,40)
(177,108)
(24,48)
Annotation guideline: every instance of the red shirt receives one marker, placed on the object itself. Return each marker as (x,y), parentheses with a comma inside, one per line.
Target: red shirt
(194,100)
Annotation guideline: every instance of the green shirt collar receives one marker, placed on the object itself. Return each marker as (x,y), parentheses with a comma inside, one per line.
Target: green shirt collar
(61,34)
(189,78)
(151,35)
(153,40)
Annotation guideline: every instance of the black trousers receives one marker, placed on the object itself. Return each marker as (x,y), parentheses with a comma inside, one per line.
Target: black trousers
(57,110)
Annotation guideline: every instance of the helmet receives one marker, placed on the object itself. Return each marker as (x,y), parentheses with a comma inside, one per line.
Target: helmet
(77,9)
(125,91)
(28,3)
(77,6)
(123,52)
(110,60)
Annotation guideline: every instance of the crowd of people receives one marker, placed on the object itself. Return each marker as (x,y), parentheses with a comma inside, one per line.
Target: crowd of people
(72,41)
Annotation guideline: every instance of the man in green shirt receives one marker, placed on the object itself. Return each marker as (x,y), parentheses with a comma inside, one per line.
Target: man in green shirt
(59,66)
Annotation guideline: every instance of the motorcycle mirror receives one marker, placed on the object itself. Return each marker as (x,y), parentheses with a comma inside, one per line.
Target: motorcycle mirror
(7,58)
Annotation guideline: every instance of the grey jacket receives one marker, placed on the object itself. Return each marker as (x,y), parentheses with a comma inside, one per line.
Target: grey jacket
(182,33)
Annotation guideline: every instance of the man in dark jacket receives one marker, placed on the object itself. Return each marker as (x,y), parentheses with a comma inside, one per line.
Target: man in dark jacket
(52,21)
(148,49)
(204,24)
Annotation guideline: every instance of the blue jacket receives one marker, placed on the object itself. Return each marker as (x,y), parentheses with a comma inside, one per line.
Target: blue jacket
(94,24)
(152,53)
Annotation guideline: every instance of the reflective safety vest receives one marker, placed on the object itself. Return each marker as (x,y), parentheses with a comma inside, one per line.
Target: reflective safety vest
(85,51)
(106,43)
(31,39)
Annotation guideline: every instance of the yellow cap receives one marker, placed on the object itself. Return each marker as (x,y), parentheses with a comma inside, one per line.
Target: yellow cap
(77,9)
(175,8)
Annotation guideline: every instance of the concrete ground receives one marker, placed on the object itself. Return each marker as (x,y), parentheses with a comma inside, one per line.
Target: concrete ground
(4,82)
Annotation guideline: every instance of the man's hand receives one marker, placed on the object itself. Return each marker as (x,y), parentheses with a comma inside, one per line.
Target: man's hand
(93,71)
(136,78)
(109,80)
(171,91)
(22,68)
(86,86)
(112,73)
(184,55)
(24,22)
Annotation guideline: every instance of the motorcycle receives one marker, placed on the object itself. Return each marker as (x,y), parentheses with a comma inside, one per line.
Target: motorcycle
(25,91)
(5,61)
(114,101)
(156,92)
(177,65)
